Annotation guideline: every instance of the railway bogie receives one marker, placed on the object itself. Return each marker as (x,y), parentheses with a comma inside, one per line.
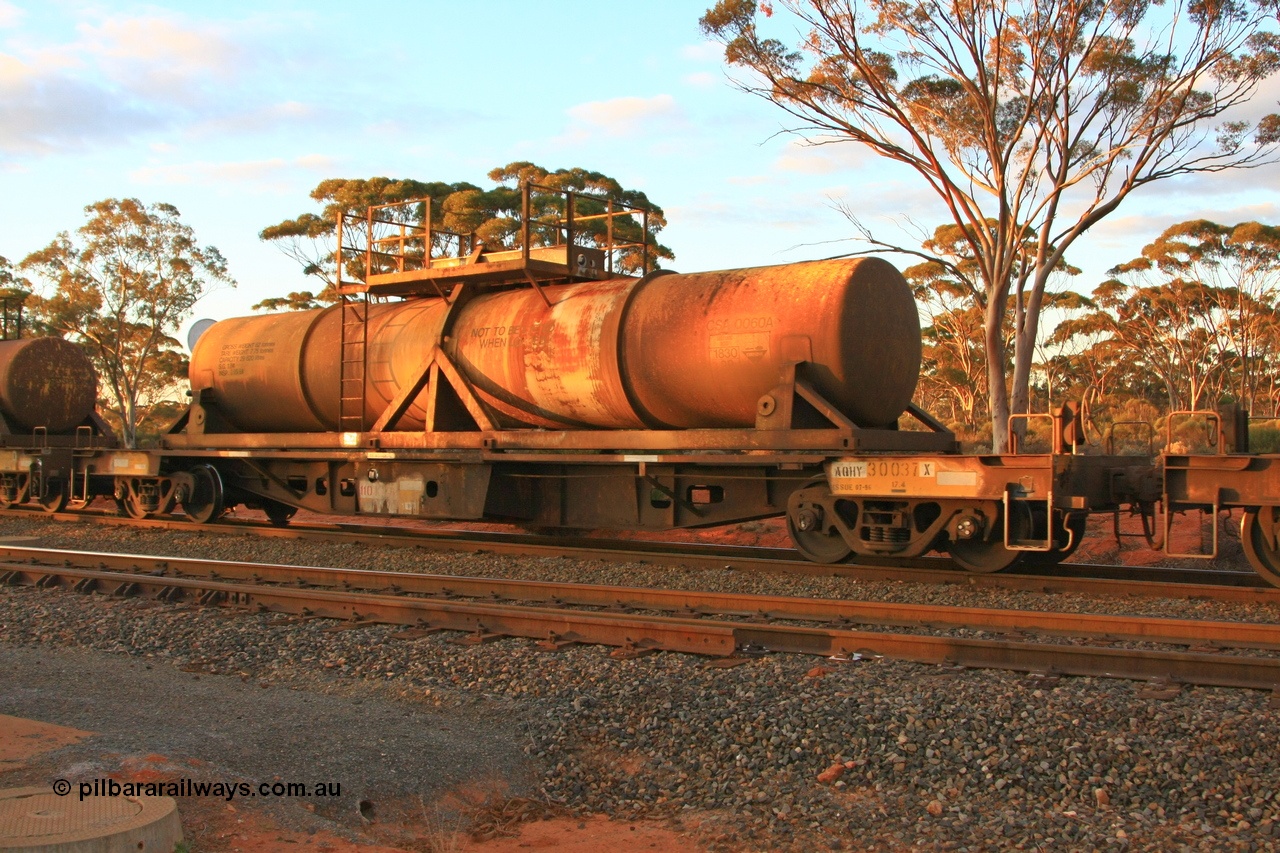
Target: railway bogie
(1226,478)
(987,512)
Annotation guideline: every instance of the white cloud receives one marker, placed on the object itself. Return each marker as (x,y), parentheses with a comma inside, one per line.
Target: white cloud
(316,162)
(703,79)
(822,158)
(706,51)
(621,117)
(10,15)
(625,116)
(13,71)
(1143,228)
(257,119)
(46,109)
(121,77)
(259,173)
(161,55)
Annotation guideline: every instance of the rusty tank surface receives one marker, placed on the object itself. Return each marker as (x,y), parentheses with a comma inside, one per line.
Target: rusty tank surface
(46,382)
(668,350)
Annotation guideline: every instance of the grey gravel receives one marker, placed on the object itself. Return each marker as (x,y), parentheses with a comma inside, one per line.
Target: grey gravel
(238,728)
(931,757)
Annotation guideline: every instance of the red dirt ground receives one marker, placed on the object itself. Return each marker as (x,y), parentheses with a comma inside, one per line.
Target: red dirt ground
(212,826)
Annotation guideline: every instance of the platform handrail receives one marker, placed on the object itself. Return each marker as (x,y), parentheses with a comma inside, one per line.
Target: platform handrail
(1214,438)
(1015,442)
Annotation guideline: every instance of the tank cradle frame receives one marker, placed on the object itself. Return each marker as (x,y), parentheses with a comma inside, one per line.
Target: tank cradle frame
(633,479)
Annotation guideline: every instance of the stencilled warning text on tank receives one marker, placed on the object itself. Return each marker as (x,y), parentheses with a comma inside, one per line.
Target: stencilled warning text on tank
(740,338)
(233,359)
(489,337)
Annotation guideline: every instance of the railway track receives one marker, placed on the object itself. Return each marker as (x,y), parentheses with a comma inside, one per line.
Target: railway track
(1089,579)
(728,627)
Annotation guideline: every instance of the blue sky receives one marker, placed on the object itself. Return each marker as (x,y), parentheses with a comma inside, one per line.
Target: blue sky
(233,111)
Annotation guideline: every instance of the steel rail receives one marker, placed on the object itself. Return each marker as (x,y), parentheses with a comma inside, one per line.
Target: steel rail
(687,602)
(690,635)
(1110,581)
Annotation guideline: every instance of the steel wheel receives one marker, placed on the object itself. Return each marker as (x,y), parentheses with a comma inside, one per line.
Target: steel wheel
(55,498)
(985,556)
(1259,545)
(205,500)
(811,529)
(278,513)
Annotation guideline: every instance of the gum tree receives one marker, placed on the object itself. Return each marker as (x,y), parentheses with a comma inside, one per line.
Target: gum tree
(120,287)
(1240,267)
(1039,116)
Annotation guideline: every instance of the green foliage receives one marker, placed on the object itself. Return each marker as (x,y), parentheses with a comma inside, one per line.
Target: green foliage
(154,420)
(1264,439)
(458,212)
(955,379)
(1126,425)
(296,301)
(1195,312)
(11,284)
(1191,323)
(14,291)
(120,287)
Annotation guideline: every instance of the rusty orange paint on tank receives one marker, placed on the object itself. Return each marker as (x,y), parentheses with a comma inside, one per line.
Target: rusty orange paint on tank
(701,349)
(669,350)
(46,382)
(553,366)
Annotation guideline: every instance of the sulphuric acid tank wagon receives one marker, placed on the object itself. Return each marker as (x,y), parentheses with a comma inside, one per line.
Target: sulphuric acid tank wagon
(529,384)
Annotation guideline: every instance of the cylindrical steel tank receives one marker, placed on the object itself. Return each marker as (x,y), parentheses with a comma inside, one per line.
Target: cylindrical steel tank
(46,382)
(701,349)
(667,351)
